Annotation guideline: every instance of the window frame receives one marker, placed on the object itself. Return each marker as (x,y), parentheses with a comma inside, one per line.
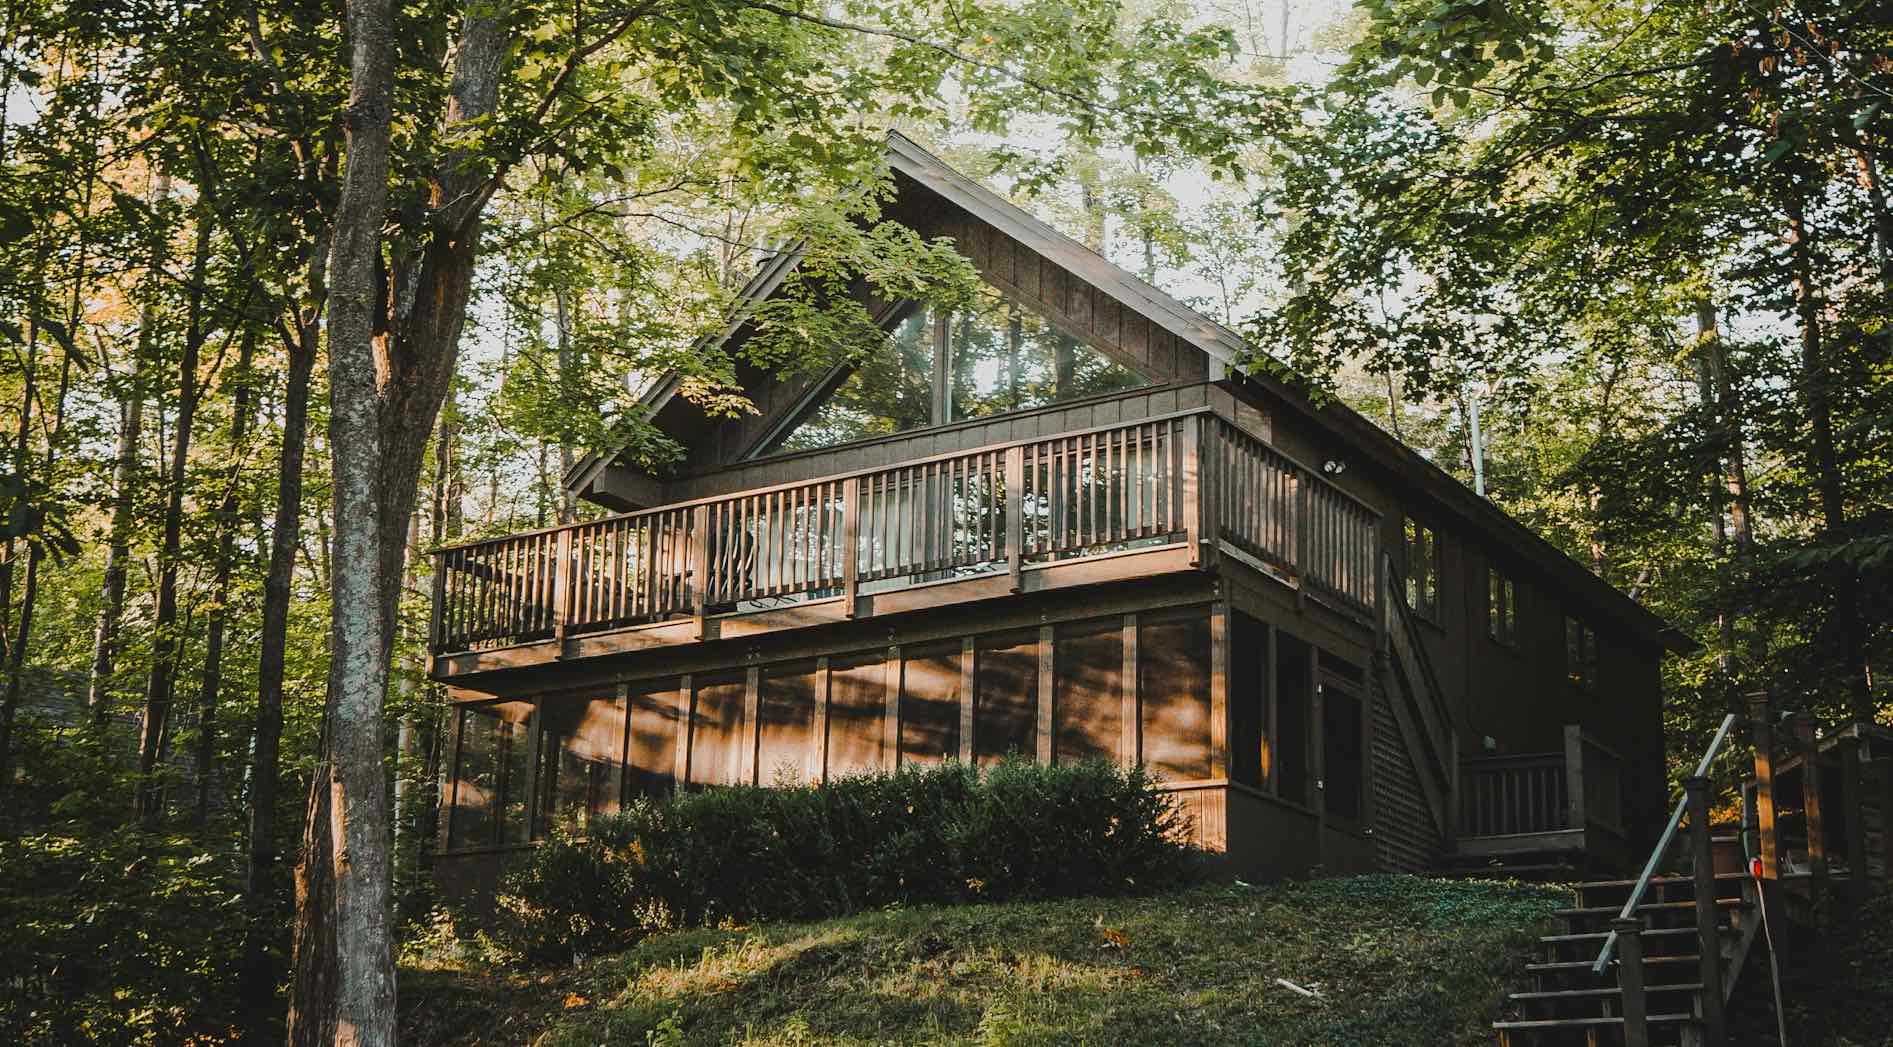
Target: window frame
(1420,583)
(1501,607)
(1580,653)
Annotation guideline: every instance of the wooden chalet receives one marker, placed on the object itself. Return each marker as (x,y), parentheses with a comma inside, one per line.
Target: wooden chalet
(1062,524)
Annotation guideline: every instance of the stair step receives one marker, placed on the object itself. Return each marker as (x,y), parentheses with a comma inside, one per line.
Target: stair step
(1610,990)
(1585,965)
(1658,880)
(1599,936)
(1612,910)
(1581,1023)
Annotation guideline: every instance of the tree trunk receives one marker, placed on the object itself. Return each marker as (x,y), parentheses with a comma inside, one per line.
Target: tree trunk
(1816,388)
(344,902)
(124,479)
(568,502)
(168,642)
(226,551)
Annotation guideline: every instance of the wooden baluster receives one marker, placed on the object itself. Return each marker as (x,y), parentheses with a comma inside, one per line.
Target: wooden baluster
(561,584)
(699,567)
(850,544)
(1702,846)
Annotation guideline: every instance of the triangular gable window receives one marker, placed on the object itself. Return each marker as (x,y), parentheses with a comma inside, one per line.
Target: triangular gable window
(995,358)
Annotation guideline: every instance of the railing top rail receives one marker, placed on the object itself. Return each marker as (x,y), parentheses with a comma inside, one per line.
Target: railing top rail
(1662,847)
(903,464)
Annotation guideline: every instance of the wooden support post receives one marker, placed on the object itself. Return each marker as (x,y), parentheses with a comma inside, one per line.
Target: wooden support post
(1015,515)
(893,673)
(687,709)
(1574,812)
(1046,653)
(969,679)
(1702,852)
(818,730)
(1630,980)
(1761,718)
(850,544)
(1219,689)
(535,821)
(750,737)
(1129,724)
(1811,802)
(1853,807)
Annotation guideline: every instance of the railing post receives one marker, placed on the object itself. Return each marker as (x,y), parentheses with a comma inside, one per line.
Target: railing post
(1193,514)
(1761,716)
(1574,776)
(1629,931)
(561,586)
(1702,848)
(1811,802)
(700,567)
(850,543)
(1015,515)
(437,615)
(1852,804)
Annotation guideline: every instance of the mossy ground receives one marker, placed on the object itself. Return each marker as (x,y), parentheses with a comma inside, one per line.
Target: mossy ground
(1395,960)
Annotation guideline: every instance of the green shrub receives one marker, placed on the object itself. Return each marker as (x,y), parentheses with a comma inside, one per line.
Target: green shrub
(939,835)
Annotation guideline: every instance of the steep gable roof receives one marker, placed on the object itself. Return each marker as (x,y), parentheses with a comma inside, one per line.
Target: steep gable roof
(1223,352)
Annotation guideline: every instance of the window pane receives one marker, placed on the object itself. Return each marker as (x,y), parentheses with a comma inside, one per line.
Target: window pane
(1341,752)
(890,391)
(1248,700)
(1293,688)
(1173,689)
(786,705)
(1006,696)
(582,759)
(476,780)
(656,711)
(930,703)
(857,705)
(515,758)
(1088,702)
(1005,357)
(714,726)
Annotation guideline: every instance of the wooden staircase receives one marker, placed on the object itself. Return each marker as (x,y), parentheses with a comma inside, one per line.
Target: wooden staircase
(1569,1003)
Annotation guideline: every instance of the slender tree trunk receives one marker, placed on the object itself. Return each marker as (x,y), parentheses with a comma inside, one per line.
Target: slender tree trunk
(344,989)
(265,773)
(167,639)
(568,502)
(226,552)
(1816,397)
(124,482)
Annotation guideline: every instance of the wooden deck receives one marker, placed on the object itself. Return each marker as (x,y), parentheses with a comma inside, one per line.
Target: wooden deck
(1135,500)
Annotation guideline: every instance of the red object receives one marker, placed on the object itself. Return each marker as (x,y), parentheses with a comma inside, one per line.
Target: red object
(1755,868)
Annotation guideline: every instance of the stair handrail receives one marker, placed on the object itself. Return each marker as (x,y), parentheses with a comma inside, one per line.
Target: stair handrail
(1662,847)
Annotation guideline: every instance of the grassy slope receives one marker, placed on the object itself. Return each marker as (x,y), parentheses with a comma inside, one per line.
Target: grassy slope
(1397,960)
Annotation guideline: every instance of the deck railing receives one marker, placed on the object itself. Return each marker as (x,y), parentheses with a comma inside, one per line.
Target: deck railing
(1180,479)
(1578,788)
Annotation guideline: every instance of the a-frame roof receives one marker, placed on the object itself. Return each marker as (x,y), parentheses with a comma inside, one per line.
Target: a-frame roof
(1224,354)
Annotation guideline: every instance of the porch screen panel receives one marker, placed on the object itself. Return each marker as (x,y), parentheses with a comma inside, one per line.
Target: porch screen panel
(1249,755)
(715,724)
(581,760)
(1173,688)
(857,704)
(1006,696)
(657,712)
(930,703)
(476,786)
(1087,699)
(786,704)
(1293,692)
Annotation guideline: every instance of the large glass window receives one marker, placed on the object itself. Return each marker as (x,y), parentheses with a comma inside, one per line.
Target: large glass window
(1501,609)
(581,760)
(1087,690)
(932,678)
(1294,691)
(1173,651)
(889,391)
(1003,357)
(1006,696)
(1342,768)
(995,357)
(1580,653)
(490,776)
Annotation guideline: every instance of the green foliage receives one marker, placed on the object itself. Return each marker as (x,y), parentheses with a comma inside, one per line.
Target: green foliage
(126,938)
(943,834)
